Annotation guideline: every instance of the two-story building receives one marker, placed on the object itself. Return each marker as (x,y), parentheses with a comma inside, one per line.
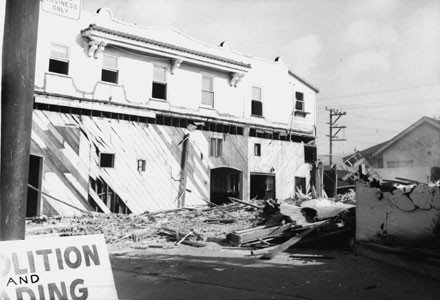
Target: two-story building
(132,119)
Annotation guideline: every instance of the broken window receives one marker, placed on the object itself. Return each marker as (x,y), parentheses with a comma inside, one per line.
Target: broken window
(207,91)
(159,90)
(107,160)
(109,71)
(141,165)
(216,147)
(257,149)
(257,105)
(299,101)
(59,59)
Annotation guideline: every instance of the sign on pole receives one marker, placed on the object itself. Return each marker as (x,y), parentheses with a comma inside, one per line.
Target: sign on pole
(73,268)
(66,8)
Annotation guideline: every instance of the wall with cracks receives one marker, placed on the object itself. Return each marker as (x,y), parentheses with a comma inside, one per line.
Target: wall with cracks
(403,216)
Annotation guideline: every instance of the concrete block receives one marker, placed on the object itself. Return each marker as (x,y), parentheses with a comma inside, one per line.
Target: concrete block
(422,196)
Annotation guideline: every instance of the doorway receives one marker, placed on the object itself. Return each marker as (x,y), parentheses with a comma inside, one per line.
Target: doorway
(33,203)
(262,186)
(225,182)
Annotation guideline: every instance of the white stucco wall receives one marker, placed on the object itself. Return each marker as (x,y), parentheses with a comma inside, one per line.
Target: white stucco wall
(396,217)
(183,87)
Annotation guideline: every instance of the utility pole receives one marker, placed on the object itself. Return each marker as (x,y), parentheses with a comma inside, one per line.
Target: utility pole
(18,76)
(333,136)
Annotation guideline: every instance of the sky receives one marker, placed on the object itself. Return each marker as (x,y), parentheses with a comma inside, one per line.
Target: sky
(376,60)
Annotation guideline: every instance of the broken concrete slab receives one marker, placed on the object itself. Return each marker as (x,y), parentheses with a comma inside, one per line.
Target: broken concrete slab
(402,201)
(422,196)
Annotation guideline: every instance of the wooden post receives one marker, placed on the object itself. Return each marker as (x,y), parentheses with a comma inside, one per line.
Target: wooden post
(18,76)
(319,179)
(183,167)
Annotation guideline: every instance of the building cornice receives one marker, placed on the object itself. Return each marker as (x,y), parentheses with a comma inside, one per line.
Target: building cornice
(100,36)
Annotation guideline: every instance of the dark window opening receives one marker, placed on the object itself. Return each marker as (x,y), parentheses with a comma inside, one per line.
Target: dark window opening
(225,182)
(59,59)
(159,90)
(310,154)
(299,104)
(257,149)
(107,160)
(262,187)
(257,108)
(33,204)
(58,66)
(109,76)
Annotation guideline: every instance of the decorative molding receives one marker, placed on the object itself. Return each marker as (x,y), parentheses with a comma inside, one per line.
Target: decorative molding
(96,48)
(235,78)
(176,64)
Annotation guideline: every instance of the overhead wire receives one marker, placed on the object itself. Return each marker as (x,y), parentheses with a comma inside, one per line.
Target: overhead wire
(381,91)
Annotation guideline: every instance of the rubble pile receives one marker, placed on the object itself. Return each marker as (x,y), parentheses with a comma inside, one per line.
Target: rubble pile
(122,230)
(256,223)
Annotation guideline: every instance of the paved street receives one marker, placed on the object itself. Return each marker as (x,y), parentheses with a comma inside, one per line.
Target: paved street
(340,275)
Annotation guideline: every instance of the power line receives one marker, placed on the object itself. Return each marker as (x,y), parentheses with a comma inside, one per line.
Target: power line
(380,91)
(394,102)
(333,136)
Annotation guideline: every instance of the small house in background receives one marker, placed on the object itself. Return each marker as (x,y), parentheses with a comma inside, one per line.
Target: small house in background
(412,154)
(130,119)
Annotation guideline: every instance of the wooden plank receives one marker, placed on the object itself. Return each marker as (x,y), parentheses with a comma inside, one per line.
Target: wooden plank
(284,246)
(99,202)
(244,202)
(260,232)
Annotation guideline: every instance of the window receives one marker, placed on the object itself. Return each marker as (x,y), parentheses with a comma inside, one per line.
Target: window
(216,147)
(257,149)
(310,154)
(207,91)
(107,160)
(299,101)
(59,59)
(159,83)
(400,164)
(257,105)
(141,165)
(109,69)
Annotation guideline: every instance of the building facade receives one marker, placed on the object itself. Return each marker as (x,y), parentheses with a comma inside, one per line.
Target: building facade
(131,119)
(412,154)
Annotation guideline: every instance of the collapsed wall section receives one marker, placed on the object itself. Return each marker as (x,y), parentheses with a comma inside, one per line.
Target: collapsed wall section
(406,215)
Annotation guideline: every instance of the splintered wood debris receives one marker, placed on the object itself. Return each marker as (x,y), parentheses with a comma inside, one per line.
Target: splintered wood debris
(253,223)
(122,230)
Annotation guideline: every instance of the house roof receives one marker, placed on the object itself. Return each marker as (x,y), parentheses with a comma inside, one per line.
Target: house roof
(375,150)
(162,44)
(304,81)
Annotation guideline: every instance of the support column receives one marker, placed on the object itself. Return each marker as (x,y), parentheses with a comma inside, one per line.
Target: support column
(18,76)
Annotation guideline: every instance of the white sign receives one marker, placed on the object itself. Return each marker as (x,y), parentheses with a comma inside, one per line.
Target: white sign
(67,8)
(71,268)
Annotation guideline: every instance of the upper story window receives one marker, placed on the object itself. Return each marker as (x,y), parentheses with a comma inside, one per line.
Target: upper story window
(299,101)
(59,59)
(109,69)
(257,105)
(216,147)
(107,160)
(159,90)
(207,91)
(257,149)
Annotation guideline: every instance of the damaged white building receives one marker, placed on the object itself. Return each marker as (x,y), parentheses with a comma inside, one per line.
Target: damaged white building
(131,119)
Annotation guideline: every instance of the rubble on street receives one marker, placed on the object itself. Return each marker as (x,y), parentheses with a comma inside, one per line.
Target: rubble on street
(254,224)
